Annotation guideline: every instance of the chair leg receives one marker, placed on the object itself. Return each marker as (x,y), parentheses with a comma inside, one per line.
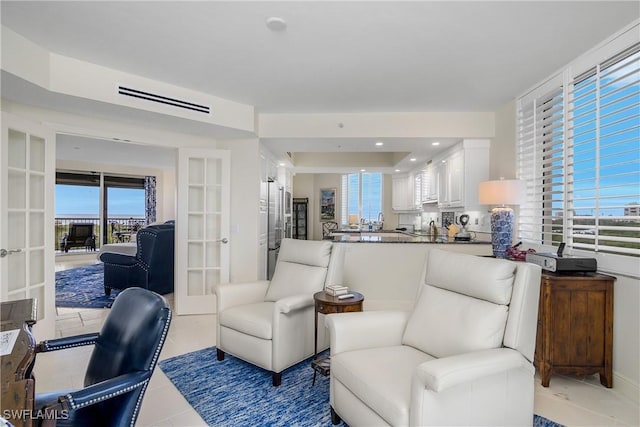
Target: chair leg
(219,354)
(276,379)
(335,418)
(107,291)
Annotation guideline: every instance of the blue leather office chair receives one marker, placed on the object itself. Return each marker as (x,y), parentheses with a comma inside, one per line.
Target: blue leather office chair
(151,268)
(124,356)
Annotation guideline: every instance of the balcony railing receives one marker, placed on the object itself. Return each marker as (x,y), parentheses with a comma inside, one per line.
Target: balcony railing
(119,229)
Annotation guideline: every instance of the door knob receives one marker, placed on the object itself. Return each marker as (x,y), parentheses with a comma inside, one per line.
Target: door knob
(4,252)
(223,240)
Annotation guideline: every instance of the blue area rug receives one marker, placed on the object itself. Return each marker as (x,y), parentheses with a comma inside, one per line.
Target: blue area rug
(83,287)
(236,393)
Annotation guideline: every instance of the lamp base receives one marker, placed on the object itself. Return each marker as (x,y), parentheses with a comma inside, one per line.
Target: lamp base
(501,231)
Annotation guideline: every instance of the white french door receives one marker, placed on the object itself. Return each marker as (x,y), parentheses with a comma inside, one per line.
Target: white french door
(27,229)
(202,228)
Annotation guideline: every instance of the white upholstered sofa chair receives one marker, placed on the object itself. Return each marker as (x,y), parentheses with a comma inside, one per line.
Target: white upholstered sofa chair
(271,324)
(462,356)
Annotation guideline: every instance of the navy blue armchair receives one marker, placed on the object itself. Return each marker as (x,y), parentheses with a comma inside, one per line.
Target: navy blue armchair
(151,268)
(124,356)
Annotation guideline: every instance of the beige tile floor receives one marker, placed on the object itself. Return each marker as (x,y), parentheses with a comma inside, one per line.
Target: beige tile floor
(571,401)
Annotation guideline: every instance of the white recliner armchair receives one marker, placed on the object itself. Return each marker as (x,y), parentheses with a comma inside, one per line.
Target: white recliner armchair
(271,324)
(463,356)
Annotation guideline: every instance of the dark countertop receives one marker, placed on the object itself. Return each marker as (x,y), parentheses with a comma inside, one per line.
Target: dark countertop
(393,236)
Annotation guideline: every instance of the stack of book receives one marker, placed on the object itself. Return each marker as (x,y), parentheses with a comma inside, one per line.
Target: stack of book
(335,290)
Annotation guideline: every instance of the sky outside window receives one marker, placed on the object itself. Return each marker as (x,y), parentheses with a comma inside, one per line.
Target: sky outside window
(79,200)
(75,200)
(125,202)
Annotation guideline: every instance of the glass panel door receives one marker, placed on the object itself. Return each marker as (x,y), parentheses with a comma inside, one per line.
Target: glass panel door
(202,229)
(27,171)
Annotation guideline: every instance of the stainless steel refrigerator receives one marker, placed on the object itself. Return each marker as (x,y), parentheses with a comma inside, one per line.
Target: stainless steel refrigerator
(275,223)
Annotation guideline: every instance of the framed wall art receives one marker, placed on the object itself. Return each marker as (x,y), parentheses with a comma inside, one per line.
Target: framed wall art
(327,204)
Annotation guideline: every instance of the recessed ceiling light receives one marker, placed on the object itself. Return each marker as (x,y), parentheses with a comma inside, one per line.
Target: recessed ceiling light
(397,170)
(276,24)
(379,143)
(413,159)
(363,170)
(281,164)
(435,143)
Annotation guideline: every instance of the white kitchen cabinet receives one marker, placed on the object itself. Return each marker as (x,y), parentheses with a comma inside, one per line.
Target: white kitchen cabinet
(417,189)
(430,183)
(402,192)
(460,171)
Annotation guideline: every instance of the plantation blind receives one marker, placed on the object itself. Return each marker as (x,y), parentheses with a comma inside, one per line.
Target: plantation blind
(604,130)
(578,150)
(344,191)
(541,164)
(361,196)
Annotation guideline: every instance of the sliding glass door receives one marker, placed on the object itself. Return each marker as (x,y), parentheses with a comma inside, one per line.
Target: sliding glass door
(123,208)
(114,206)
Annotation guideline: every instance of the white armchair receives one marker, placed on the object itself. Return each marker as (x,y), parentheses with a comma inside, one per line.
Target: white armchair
(270,324)
(462,356)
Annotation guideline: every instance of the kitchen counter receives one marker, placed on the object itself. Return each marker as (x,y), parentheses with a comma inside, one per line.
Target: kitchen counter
(393,236)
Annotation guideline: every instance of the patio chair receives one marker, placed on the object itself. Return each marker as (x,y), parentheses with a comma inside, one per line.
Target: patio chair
(80,234)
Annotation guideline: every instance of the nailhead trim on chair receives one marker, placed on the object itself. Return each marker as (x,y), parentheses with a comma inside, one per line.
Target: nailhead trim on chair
(137,408)
(105,397)
(142,384)
(48,347)
(162,338)
(141,264)
(152,365)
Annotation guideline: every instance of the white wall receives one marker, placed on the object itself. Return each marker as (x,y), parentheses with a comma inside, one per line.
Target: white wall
(502,157)
(245,196)
(626,338)
(167,200)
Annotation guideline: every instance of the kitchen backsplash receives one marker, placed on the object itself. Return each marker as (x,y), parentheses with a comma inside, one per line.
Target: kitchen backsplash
(479,221)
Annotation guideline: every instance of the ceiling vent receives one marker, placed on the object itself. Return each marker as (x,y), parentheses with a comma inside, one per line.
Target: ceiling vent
(163,99)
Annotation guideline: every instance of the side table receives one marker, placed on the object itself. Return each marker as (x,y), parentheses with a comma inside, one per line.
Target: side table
(328,304)
(575,326)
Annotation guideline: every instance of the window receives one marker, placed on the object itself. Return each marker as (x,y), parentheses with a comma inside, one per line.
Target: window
(361,196)
(79,198)
(579,152)
(77,195)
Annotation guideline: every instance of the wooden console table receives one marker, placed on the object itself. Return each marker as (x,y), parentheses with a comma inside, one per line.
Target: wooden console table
(575,326)
(18,385)
(328,304)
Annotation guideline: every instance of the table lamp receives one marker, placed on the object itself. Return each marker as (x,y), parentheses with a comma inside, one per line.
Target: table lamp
(501,192)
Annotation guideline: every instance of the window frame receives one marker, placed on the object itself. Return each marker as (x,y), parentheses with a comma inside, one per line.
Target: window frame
(344,197)
(564,79)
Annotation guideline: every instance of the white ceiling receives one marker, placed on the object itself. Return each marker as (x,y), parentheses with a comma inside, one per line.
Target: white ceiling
(333,56)
(81,148)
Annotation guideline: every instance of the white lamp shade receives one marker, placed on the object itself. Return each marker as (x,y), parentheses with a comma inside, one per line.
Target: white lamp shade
(501,192)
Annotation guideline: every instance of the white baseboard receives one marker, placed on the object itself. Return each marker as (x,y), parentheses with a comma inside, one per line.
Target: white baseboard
(626,387)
